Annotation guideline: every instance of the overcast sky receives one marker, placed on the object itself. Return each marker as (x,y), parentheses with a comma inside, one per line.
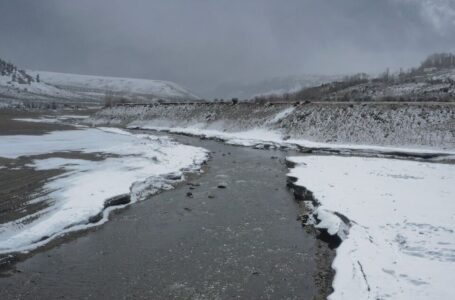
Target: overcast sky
(202,43)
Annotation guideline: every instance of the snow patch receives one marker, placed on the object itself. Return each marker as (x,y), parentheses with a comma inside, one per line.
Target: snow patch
(281,115)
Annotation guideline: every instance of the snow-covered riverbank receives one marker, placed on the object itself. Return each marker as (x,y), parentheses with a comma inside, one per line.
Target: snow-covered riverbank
(401,241)
(263,138)
(138,165)
(403,125)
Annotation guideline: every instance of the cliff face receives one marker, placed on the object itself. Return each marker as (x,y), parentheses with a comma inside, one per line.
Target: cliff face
(386,124)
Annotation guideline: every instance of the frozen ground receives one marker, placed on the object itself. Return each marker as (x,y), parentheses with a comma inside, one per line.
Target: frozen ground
(401,241)
(139,165)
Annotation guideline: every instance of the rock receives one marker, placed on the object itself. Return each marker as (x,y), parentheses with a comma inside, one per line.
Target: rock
(211,196)
(117,200)
(174,176)
(189,194)
(222,186)
(187,209)
(96,218)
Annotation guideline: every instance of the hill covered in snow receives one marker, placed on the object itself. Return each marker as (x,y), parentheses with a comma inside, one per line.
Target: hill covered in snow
(41,89)
(96,87)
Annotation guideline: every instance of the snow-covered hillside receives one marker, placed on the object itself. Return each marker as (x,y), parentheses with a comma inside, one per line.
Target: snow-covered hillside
(40,89)
(96,87)
(15,92)
(403,125)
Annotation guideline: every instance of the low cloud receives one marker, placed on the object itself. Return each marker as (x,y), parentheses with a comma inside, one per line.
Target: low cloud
(201,44)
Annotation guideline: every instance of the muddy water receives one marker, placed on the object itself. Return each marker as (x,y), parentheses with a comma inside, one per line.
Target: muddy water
(199,241)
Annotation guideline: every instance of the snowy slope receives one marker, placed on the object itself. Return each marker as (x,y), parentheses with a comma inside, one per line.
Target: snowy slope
(39,88)
(14,92)
(97,86)
(21,87)
(399,125)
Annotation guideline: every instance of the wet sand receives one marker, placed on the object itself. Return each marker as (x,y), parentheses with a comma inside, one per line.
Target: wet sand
(198,241)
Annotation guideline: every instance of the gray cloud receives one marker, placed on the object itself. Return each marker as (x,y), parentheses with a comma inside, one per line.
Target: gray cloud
(202,43)
(438,13)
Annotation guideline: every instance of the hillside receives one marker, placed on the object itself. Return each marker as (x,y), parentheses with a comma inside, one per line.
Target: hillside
(47,89)
(433,80)
(96,87)
(416,125)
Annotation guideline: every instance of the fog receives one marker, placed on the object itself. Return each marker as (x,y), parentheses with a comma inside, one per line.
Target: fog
(201,44)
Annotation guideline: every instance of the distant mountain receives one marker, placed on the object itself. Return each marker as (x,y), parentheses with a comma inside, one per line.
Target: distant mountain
(277,85)
(96,87)
(42,88)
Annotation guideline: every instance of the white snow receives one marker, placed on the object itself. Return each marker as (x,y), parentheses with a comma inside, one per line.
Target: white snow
(53,118)
(33,87)
(281,115)
(401,243)
(134,163)
(87,90)
(95,85)
(63,117)
(262,136)
(38,120)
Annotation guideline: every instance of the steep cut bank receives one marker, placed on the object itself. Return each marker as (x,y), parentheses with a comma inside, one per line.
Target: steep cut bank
(411,125)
